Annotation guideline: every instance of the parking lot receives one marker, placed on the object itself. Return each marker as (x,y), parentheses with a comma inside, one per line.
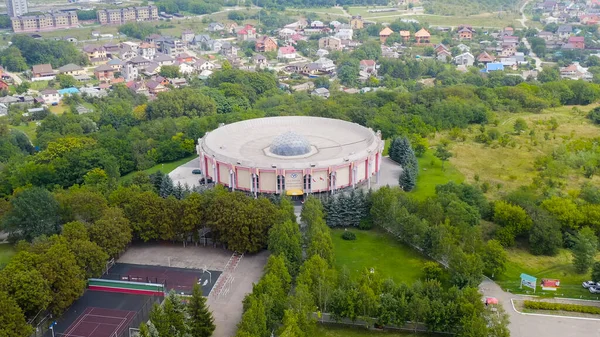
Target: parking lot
(183,174)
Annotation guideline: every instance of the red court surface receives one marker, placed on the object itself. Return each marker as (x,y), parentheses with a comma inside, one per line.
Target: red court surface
(100,322)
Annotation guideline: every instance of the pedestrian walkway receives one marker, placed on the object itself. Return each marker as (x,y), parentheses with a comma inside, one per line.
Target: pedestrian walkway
(522,325)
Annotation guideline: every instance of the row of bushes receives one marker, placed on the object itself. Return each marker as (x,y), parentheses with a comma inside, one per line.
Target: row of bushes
(586,309)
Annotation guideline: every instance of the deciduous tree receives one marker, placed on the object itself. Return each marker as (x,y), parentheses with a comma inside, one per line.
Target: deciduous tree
(584,250)
(12,320)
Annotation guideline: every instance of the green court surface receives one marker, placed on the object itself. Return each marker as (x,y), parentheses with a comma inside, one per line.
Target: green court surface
(379,250)
(336,330)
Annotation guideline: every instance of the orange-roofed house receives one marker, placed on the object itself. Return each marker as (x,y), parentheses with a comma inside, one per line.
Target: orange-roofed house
(405,35)
(465,34)
(422,36)
(384,34)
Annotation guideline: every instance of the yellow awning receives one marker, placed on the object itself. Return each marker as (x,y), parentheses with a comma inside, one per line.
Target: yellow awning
(294,192)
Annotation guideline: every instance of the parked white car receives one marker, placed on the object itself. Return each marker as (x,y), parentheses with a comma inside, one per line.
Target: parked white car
(594,289)
(588,284)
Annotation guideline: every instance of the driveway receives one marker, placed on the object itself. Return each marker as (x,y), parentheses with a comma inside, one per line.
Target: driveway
(183,174)
(529,325)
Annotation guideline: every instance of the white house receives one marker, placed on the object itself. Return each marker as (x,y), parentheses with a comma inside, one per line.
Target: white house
(130,72)
(203,64)
(185,68)
(325,64)
(215,27)
(344,33)
(322,52)
(288,52)
(50,96)
(465,59)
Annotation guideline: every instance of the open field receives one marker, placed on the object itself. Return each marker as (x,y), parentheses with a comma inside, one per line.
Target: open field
(335,330)
(6,252)
(431,175)
(514,166)
(377,249)
(559,267)
(28,128)
(164,167)
(319,10)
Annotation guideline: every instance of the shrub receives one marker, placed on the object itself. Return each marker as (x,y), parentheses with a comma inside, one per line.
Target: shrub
(586,309)
(432,271)
(365,224)
(349,236)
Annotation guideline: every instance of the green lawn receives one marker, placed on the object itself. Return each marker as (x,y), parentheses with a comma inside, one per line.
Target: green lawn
(335,330)
(379,250)
(28,129)
(164,167)
(431,175)
(6,252)
(554,267)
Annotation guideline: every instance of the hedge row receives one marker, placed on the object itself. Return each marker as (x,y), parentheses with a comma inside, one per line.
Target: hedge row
(586,309)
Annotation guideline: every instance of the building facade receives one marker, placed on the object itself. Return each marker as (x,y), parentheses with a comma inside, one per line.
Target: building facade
(128,14)
(291,155)
(16,8)
(44,22)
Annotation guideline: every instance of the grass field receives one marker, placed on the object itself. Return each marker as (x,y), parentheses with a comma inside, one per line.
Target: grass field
(558,267)
(28,129)
(164,167)
(6,252)
(335,330)
(377,249)
(514,166)
(431,175)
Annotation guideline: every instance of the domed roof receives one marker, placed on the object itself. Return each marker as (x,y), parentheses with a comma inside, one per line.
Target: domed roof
(290,144)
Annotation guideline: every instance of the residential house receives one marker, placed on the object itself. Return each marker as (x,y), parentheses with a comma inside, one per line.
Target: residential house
(265,44)
(95,54)
(576,72)
(154,87)
(321,92)
(286,33)
(187,36)
(440,47)
(576,42)
(546,36)
(357,22)
(548,20)
(203,41)
(324,64)
(104,73)
(172,47)
(344,32)
(231,28)
(71,69)
(510,40)
(214,27)
(507,31)
(422,36)
(215,46)
(203,64)
(147,50)
(330,43)
(288,52)
(178,82)
(185,68)
(322,52)
(163,59)
(116,64)
(405,35)
(389,52)
(126,52)
(133,46)
(42,71)
(227,49)
(508,51)
(185,58)
(111,49)
(247,33)
(444,56)
(138,87)
(564,31)
(465,59)
(463,48)
(384,34)
(130,71)
(335,23)
(317,24)
(465,34)
(259,60)
(50,96)
(485,58)
(368,66)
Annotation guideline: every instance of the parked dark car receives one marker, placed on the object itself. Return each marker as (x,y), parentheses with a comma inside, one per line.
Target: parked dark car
(197,171)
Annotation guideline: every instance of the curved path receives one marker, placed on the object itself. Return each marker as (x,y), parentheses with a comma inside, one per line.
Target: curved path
(529,325)
(522,20)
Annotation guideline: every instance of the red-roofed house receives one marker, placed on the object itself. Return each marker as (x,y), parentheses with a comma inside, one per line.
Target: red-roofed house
(368,66)
(577,42)
(384,34)
(485,58)
(287,52)
(465,33)
(247,33)
(405,35)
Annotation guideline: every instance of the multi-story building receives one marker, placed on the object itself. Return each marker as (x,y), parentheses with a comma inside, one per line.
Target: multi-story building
(122,15)
(44,22)
(16,8)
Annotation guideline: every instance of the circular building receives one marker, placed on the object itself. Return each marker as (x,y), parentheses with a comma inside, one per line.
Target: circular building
(298,155)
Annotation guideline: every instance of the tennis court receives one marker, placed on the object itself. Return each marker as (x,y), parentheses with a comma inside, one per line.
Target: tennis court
(104,314)
(181,280)
(100,322)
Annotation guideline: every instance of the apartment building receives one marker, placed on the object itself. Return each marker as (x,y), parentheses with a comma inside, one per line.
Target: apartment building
(16,8)
(44,22)
(128,14)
